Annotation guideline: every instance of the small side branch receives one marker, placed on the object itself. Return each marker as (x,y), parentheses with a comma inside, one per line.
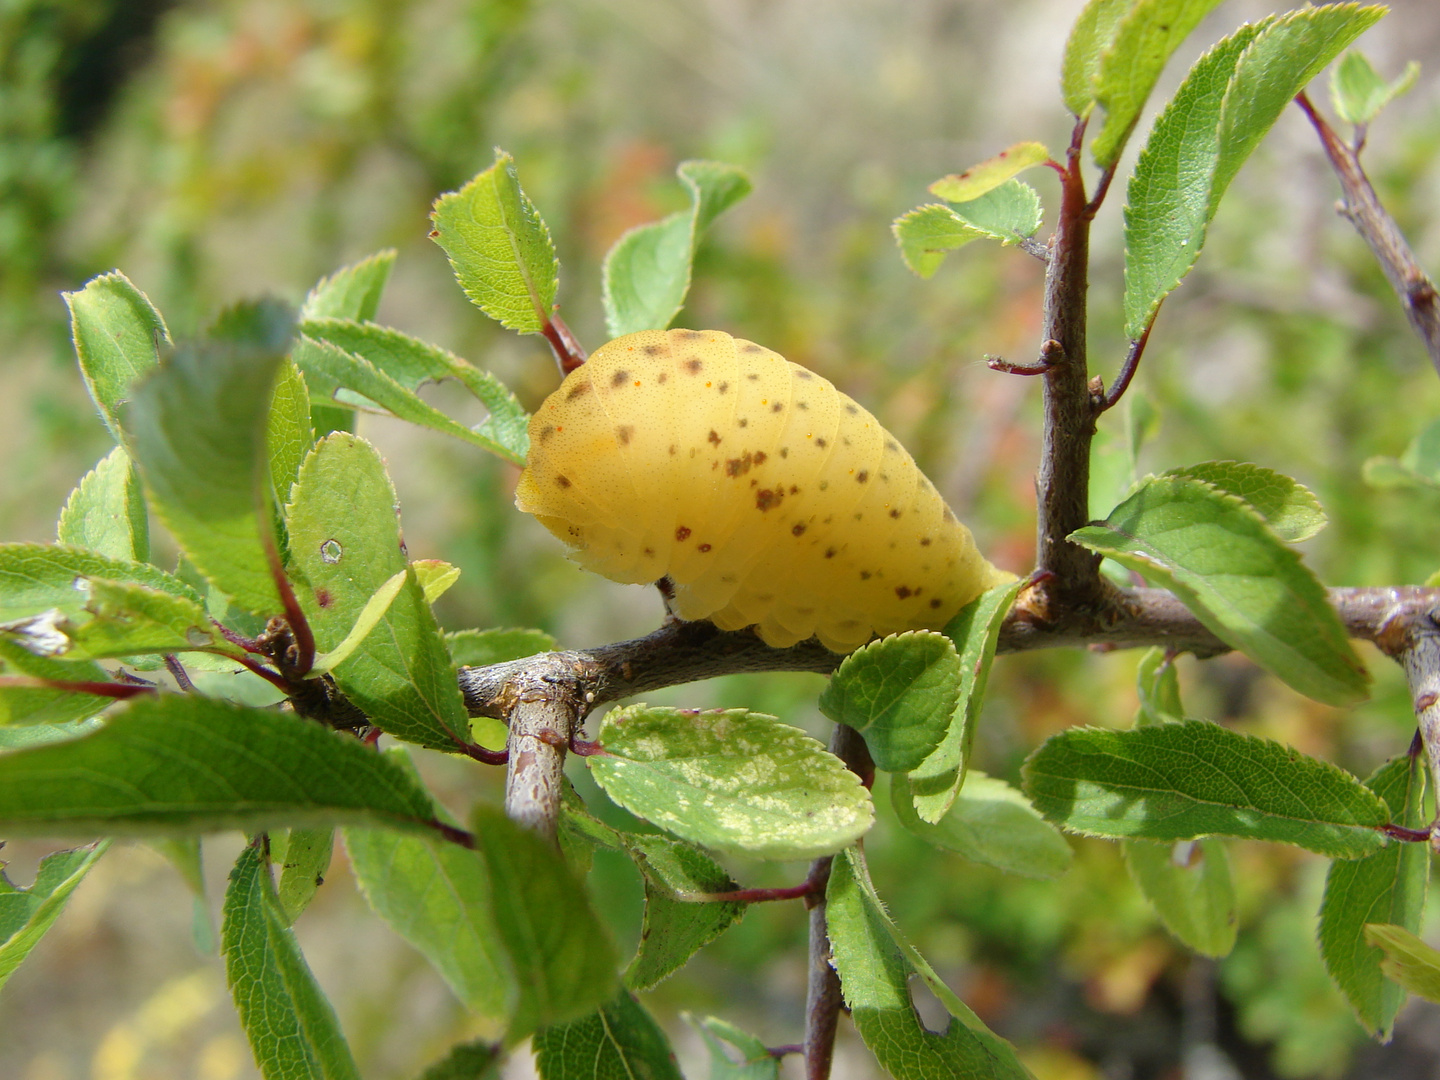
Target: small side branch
(1127,371)
(1412,285)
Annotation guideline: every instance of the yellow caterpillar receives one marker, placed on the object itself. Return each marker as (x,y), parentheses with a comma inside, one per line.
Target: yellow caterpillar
(768,497)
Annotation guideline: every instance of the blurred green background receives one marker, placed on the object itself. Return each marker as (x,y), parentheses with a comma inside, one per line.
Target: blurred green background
(219,150)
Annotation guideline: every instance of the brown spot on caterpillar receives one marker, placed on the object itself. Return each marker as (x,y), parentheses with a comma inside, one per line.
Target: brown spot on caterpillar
(674,449)
(703,548)
(688,335)
(824,485)
(742,422)
(894,513)
(884,477)
(765,499)
(891,445)
(682,534)
(546,432)
(650,552)
(829,553)
(803,374)
(821,443)
(777,407)
(804,611)
(713,438)
(925,541)
(620,378)
(865,575)
(753,377)
(852,408)
(563,480)
(624,433)
(323,598)
(656,350)
(862,476)
(798,530)
(802,405)
(580,389)
(694,366)
(937,602)
(759,457)
(903,592)
(723,387)
(784,451)
(663,377)
(794,490)
(845,440)
(750,346)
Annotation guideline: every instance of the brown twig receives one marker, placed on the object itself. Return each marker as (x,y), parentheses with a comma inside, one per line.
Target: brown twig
(1412,639)
(543,716)
(1412,285)
(1127,370)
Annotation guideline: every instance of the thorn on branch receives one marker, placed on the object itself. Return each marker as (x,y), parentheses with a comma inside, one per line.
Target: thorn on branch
(1051,354)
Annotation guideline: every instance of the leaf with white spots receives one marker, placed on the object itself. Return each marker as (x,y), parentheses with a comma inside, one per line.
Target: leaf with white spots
(731,780)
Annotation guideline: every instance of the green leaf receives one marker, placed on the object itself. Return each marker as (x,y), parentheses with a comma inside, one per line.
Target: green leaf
(1089,37)
(23,737)
(369,617)
(1008,213)
(1216,554)
(647,271)
(1158,688)
(288,432)
(197,429)
(875,963)
(562,957)
(1359,93)
(499,247)
(352,292)
(1387,472)
(435,577)
(126,618)
(476,1060)
(1226,104)
(438,897)
(344,546)
(292,1028)
(118,336)
(302,871)
(935,782)
(731,780)
(1290,508)
(106,511)
(480,648)
(756,1062)
(621,1041)
(1387,887)
(1182,781)
(35,578)
(1188,884)
(675,928)
(1408,960)
(38,705)
(179,764)
(26,914)
(1142,43)
(387,367)
(901,692)
(989,823)
(1418,467)
(990,173)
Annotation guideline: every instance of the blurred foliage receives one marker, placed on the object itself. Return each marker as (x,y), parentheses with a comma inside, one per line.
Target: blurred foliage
(229,148)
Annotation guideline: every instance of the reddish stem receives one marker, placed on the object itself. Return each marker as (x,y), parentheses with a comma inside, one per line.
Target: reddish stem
(299,625)
(569,353)
(118,691)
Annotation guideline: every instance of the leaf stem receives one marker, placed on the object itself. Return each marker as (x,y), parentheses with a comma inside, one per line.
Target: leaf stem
(569,353)
(1128,369)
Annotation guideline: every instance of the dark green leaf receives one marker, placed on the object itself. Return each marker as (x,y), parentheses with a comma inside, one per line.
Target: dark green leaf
(647,271)
(36,705)
(936,781)
(1290,508)
(1216,554)
(106,511)
(1188,884)
(1009,212)
(562,957)
(1129,65)
(1408,960)
(197,429)
(900,692)
(344,545)
(35,578)
(676,928)
(499,247)
(1359,93)
(288,432)
(480,648)
(1182,781)
(292,1027)
(1387,887)
(756,1062)
(118,335)
(26,914)
(619,1042)
(28,735)
(1089,37)
(875,963)
(989,823)
(352,292)
(731,780)
(477,1060)
(182,764)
